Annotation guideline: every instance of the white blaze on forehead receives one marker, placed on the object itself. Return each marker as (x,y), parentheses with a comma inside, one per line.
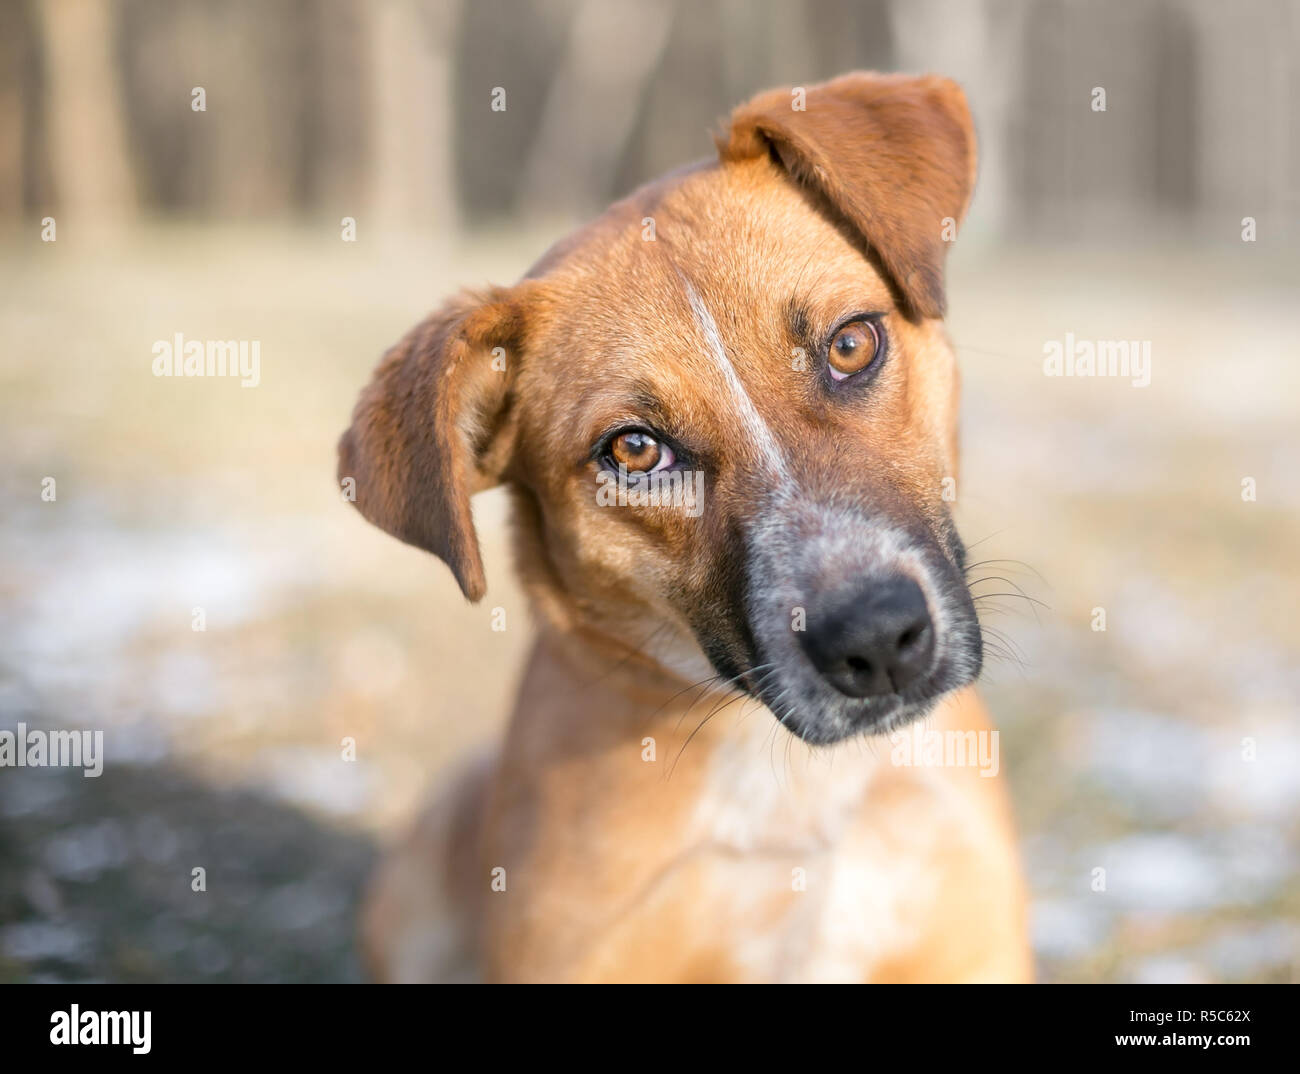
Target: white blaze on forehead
(755,426)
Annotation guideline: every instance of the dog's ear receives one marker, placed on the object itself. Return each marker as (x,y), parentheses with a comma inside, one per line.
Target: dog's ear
(435,425)
(894,155)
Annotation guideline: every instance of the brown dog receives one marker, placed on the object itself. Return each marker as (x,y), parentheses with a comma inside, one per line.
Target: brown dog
(725,412)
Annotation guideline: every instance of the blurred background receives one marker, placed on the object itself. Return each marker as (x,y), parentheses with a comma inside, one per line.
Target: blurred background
(1164,749)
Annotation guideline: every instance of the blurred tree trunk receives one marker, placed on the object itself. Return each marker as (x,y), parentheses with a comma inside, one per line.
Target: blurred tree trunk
(89,156)
(412,181)
(337,118)
(593,103)
(13,43)
(255,96)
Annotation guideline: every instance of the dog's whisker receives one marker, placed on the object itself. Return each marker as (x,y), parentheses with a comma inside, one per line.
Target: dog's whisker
(996,533)
(1033,603)
(1019,563)
(703,686)
(712,680)
(1009,581)
(1004,647)
(993,606)
(983,599)
(699,726)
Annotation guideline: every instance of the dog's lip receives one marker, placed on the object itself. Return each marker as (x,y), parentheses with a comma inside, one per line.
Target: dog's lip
(871,707)
(882,717)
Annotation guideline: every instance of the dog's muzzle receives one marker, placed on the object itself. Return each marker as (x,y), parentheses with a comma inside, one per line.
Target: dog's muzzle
(858,625)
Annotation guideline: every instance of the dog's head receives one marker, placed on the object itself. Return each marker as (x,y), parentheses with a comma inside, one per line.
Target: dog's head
(727,412)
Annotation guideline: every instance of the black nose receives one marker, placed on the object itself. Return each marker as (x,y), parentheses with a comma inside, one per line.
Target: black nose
(876,642)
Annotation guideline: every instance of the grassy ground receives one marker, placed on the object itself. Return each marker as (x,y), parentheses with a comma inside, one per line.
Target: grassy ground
(1125,747)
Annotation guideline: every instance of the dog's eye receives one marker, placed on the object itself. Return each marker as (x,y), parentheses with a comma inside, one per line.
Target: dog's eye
(638,452)
(852,349)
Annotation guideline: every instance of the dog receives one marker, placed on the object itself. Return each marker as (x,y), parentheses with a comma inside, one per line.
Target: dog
(765,328)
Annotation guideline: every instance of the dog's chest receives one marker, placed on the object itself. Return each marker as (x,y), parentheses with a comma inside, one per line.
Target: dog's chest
(748,862)
(803,882)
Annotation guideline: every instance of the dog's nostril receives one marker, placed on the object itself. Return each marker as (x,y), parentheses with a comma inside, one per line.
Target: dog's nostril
(910,636)
(858,664)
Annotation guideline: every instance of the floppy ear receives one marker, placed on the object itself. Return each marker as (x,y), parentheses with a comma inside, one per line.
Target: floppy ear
(434,426)
(894,155)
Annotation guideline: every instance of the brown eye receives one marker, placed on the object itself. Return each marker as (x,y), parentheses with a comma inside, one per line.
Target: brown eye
(638,452)
(853,349)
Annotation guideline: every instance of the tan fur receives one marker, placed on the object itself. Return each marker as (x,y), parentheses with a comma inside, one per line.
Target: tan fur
(680,868)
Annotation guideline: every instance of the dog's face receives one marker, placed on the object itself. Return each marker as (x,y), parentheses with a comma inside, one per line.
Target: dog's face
(727,413)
